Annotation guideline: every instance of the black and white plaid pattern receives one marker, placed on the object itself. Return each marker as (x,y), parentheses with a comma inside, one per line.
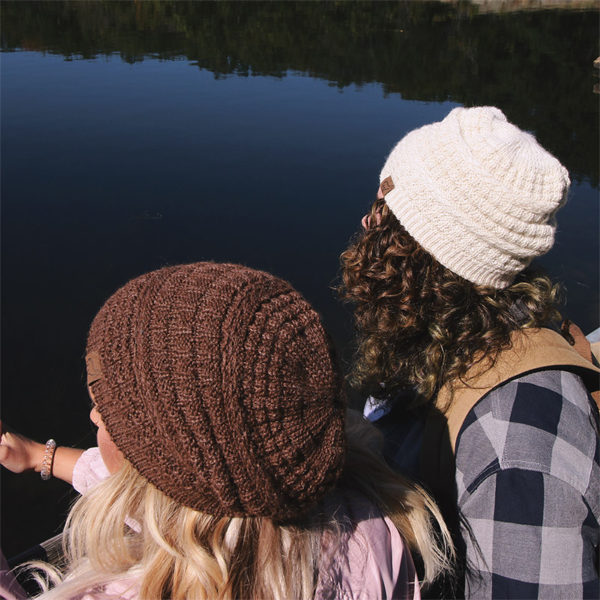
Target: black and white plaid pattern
(528,481)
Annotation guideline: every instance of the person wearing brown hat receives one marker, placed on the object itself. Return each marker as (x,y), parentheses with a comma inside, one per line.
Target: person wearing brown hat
(226,467)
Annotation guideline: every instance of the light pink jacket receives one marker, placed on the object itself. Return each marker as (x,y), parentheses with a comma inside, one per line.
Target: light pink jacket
(373,564)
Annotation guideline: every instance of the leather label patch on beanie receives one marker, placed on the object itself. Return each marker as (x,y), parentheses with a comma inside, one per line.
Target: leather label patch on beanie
(94,367)
(387,185)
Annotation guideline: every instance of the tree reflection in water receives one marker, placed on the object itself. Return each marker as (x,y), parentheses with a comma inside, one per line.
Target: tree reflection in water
(537,66)
(432,51)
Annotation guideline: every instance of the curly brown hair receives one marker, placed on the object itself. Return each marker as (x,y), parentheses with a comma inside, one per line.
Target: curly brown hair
(419,324)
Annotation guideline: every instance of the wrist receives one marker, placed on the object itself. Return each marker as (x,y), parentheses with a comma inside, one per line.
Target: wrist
(48,460)
(36,456)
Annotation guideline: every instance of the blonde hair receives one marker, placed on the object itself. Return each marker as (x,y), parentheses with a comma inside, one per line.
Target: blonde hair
(178,553)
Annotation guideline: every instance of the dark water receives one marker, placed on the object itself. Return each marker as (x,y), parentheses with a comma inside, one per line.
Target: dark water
(136,135)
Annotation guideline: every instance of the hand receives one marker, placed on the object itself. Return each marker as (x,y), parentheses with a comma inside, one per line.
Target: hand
(19,453)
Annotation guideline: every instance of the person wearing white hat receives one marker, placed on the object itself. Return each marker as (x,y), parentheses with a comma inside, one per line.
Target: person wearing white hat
(477,398)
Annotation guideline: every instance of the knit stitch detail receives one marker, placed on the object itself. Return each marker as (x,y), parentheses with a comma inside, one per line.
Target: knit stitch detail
(220,387)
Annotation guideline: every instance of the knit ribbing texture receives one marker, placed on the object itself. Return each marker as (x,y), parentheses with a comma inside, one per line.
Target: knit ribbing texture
(219,386)
(477,193)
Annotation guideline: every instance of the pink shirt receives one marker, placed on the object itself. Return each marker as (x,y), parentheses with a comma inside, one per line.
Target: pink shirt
(372,564)
(375,564)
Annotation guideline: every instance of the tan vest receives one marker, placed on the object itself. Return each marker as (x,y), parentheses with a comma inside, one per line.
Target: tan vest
(531,350)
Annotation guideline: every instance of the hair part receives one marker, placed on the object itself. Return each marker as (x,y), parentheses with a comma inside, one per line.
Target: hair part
(419,324)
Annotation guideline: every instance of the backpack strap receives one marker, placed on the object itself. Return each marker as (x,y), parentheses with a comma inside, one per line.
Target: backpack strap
(530,350)
(573,334)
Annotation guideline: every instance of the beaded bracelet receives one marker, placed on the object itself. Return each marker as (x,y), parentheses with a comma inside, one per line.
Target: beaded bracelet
(46,470)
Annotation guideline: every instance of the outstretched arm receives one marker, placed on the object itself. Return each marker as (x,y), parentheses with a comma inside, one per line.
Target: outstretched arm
(19,453)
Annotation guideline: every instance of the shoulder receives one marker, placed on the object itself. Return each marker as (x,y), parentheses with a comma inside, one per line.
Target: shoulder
(544,421)
(89,470)
(368,559)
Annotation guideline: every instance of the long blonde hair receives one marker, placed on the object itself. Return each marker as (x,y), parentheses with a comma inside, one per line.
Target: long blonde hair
(171,551)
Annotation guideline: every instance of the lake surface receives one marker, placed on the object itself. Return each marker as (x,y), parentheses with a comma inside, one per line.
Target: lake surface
(136,135)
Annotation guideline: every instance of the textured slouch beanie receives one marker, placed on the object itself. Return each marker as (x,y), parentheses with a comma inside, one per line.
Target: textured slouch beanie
(477,193)
(218,384)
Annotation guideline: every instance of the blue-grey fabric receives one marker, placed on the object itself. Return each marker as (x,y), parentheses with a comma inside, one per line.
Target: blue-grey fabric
(528,484)
(528,487)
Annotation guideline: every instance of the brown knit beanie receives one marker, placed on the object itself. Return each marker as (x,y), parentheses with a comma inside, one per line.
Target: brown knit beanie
(217,383)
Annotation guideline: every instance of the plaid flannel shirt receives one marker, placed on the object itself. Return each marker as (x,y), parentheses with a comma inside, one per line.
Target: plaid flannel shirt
(528,487)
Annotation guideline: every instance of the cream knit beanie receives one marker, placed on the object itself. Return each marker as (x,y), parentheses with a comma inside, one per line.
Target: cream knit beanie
(477,193)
